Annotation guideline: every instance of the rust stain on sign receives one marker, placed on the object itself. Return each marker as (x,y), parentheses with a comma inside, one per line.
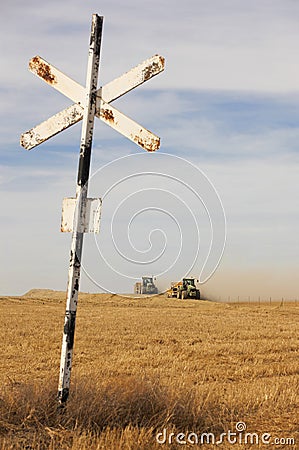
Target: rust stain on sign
(107,114)
(154,68)
(42,69)
(28,137)
(150,145)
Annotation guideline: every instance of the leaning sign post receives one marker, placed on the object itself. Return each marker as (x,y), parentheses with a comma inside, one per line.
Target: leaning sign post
(82,214)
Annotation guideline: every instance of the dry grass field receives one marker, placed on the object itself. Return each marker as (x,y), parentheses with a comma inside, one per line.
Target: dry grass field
(145,365)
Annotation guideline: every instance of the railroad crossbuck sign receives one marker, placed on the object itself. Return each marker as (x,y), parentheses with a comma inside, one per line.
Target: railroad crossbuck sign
(104,96)
(82,214)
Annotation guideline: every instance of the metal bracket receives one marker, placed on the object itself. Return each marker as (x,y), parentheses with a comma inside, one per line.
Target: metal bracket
(89,224)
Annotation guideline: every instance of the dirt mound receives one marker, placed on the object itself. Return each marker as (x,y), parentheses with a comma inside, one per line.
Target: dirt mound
(44,293)
(50,294)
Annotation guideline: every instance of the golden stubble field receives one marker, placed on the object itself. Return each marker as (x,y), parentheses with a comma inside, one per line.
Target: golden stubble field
(142,366)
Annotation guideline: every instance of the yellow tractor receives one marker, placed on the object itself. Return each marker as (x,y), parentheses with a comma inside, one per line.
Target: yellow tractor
(173,291)
(184,289)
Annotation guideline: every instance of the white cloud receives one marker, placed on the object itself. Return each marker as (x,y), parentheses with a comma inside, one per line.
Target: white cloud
(217,45)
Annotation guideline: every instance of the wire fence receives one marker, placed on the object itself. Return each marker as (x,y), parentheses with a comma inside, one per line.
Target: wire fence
(256,299)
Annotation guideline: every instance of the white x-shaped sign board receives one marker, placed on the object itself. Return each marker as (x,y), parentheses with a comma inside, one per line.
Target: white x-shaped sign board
(106,94)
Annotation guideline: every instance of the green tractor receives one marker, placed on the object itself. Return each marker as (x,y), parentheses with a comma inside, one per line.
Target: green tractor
(188,289)
(147,286)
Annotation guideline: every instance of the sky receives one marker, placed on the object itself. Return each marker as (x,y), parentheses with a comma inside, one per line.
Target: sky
(226,109)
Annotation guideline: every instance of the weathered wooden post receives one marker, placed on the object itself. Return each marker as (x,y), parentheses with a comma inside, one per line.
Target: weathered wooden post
(82,214)
(81,208)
